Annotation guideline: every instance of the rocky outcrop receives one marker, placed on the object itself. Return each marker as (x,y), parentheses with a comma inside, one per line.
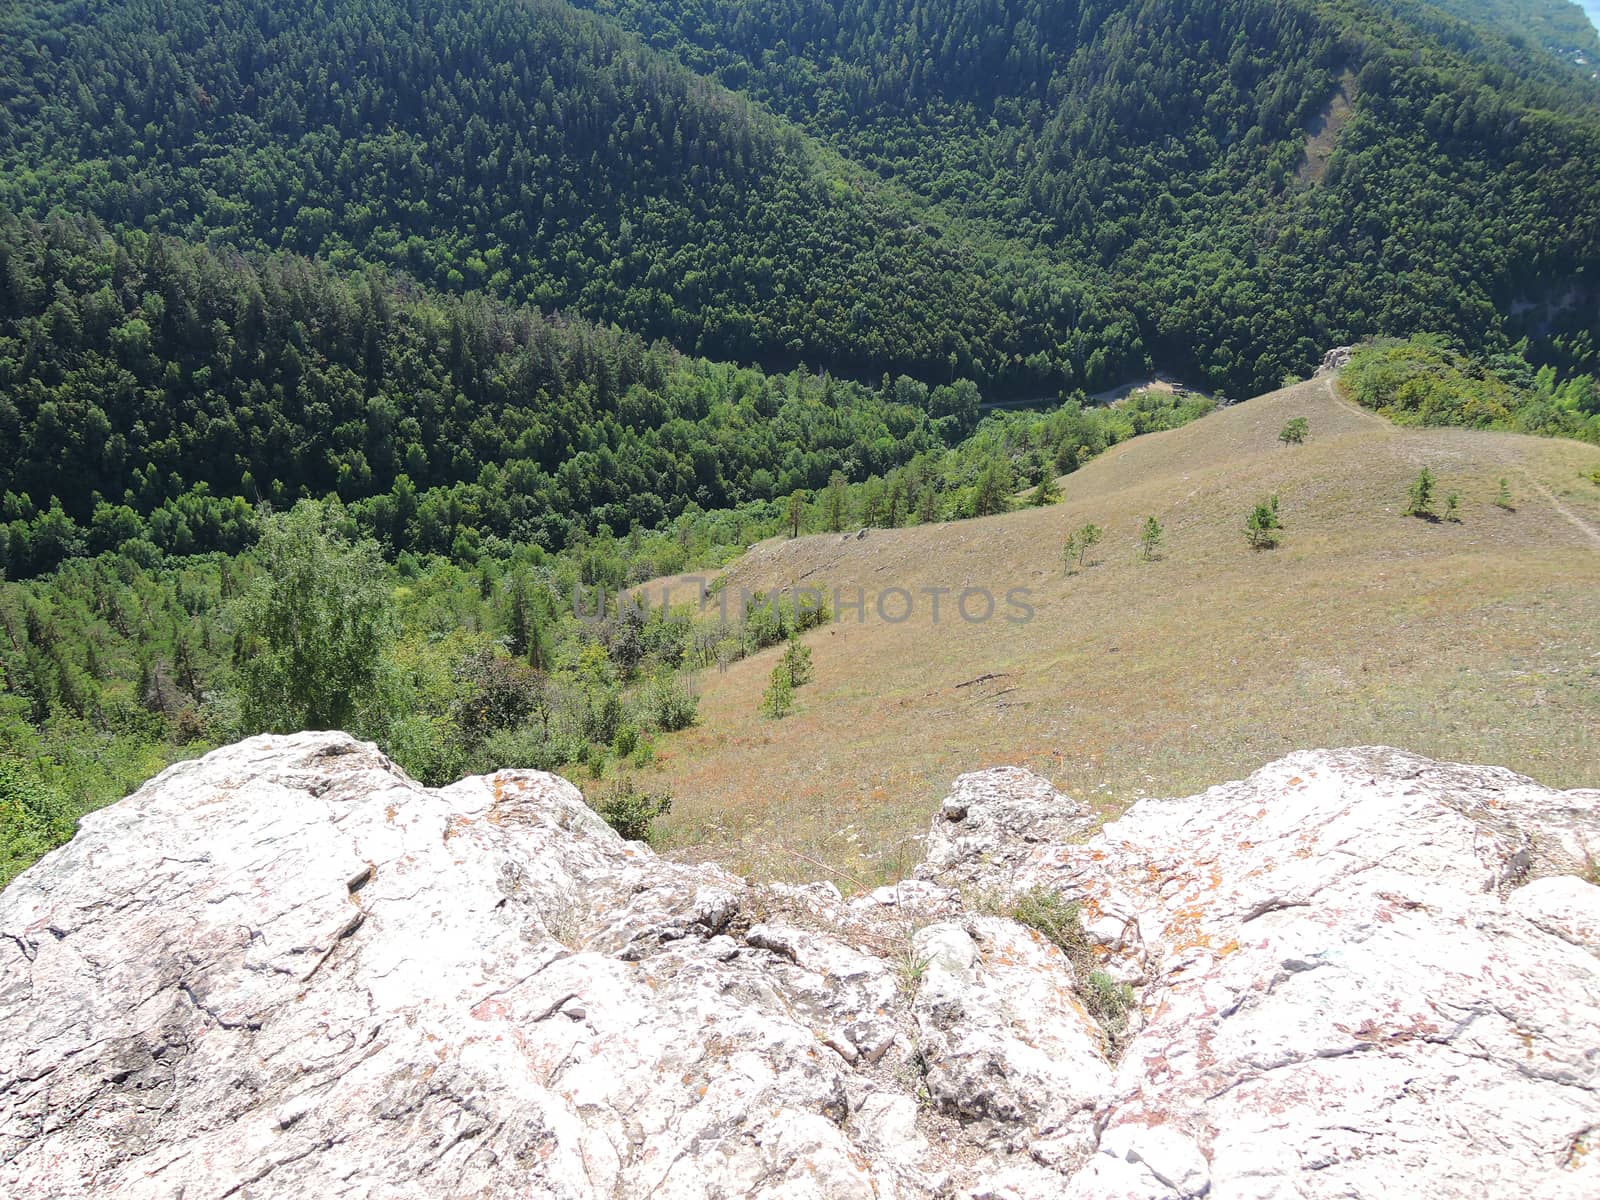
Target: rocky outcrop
(288,970)
(1335,359)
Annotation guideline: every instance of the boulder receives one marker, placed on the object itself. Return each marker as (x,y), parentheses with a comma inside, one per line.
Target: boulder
(1335,359)
(287,970)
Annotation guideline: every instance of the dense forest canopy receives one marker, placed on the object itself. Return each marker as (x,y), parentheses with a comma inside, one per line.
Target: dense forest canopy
(1162,141)
(1035,197)
(154,391)
(526,150)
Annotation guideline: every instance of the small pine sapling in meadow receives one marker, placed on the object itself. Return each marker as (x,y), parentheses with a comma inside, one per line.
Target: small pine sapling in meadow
(777,701)
(1420,500)
(1502,498)
(1452,508)
(1075,555)
(1150,539)
(1295,432)
(796,662)
(1262,528)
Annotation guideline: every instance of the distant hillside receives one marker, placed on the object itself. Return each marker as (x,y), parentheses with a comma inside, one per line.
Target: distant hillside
(1567,28)
(1473,640)
(1159,141)
(1036,197)
(526,149)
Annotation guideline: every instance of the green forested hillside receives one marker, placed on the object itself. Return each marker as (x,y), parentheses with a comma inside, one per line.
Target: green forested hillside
(1036,197)
(1559,26)
(1160,141)
(153,391)
(526,150)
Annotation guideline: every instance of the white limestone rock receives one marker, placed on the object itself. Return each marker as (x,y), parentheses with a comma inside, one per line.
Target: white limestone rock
(286,970)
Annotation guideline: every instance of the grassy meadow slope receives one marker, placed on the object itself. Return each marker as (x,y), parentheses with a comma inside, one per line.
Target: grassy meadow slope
(1472,640)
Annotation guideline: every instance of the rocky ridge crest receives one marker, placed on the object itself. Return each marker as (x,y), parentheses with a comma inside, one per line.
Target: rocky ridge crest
(288,970)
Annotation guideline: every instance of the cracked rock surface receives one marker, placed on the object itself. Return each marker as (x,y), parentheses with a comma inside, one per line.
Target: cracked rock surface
(287,970)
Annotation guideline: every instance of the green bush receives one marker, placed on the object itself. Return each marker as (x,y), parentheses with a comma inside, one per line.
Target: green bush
(669,704)
(626,739)
(33,820)
(777,701)
(633,812)
(526,749)
(426,748)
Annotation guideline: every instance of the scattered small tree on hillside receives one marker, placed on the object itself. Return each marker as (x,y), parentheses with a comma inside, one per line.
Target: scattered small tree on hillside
(796,512)
(1420,501)
(1075,554)
(1502,498)
(796,662)
(777,701)
(1452,507)
(1262,528)
(1150,539)
(1295,432)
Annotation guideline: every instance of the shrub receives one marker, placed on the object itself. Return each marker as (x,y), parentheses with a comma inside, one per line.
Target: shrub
(1420,499)
(625,741)
(633,812)
(1295,432)
(33,820)
(602,715)
(1262,526)
(777,701)
(669,704)
(526,749)
(427,748)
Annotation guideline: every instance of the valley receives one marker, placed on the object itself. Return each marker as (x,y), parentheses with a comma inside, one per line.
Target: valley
(846,600)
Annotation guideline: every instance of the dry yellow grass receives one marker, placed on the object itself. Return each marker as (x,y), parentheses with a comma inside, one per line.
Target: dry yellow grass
(1473,641)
